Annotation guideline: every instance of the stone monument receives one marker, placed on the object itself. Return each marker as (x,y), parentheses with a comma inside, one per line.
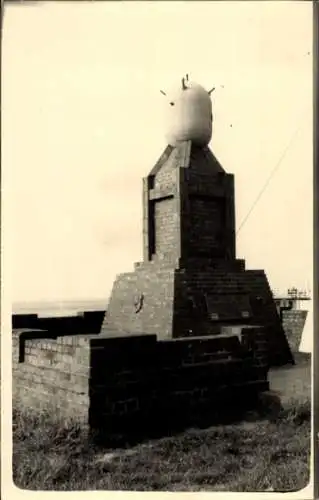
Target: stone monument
(190,283)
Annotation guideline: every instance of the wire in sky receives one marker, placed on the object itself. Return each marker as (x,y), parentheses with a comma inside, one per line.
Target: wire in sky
(275,169)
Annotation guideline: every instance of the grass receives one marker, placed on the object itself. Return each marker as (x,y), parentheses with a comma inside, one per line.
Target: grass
(267,451)
(247,456)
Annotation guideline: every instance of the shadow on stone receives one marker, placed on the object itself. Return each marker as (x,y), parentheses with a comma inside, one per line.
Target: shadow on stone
(231,407)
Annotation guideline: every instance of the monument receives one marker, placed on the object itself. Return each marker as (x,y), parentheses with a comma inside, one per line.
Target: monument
(189,334)
(190,283)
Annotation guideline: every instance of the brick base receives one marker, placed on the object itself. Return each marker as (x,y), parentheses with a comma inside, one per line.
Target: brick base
(130,384)
(51,375)
(139,384)
(197,300)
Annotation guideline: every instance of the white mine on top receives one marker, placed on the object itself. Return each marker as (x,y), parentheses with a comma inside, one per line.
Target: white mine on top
(189,114)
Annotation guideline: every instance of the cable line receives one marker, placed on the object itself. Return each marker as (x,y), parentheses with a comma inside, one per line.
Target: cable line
(275,169)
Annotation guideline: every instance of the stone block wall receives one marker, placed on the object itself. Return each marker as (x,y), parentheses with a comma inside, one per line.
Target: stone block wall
(157,312)
(194,301)
(254,340)
(293,322)
(51,373)
(166,226)
(116,385)
(84,322)
(140,382)
(206,226)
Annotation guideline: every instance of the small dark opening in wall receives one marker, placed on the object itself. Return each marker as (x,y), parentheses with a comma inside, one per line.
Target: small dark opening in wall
(151,230)
(21,349)
(151,182)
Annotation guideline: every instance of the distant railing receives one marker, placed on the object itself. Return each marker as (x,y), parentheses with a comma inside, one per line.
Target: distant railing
(292,294)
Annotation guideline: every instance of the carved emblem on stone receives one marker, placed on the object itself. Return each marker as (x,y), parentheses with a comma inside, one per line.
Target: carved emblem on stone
(138,302)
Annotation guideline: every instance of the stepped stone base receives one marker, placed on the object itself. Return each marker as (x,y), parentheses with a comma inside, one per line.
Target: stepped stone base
(200,299)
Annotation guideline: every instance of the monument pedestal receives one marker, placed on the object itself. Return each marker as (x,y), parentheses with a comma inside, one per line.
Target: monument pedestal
(190,283)
(173,302)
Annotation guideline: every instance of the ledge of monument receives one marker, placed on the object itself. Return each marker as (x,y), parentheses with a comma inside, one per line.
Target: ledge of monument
(117,334)
(159,263)
(210,262)
(193,261)
(231,330)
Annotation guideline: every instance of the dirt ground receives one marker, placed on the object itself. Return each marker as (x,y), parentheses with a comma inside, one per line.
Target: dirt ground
(292,382)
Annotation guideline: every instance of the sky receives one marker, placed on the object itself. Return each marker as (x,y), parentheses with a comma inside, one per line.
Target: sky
(83,121)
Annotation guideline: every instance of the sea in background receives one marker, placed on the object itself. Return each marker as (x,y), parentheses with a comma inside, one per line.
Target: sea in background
(58,308)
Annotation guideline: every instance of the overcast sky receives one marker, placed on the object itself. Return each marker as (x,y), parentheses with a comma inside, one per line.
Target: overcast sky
(83,122)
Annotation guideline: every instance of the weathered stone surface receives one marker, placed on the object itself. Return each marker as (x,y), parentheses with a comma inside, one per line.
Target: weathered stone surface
(51,374)
(293,322)
(190,282)
(139,380)
(116,384)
